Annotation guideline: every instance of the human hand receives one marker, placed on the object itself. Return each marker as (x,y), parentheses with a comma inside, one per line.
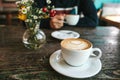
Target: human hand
(57,21)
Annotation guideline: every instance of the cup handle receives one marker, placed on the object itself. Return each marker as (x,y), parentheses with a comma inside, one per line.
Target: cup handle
(99,54)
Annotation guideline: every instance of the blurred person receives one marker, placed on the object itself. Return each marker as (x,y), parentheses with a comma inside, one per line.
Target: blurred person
(87,8)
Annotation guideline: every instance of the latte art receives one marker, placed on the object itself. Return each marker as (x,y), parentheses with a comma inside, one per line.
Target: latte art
(73,43)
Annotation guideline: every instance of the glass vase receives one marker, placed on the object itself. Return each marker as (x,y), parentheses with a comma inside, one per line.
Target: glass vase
(34,38)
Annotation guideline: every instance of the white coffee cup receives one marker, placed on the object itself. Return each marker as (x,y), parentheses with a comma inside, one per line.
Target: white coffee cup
(72,19)
(77,51)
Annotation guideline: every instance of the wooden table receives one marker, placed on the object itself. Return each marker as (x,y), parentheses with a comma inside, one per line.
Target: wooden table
(112,20)
(19,63)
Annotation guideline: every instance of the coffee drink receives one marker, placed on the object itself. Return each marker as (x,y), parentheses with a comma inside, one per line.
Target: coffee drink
(77,51)
(76,43)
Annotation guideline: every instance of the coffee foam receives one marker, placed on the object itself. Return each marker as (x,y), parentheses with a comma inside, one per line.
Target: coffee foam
(77,44)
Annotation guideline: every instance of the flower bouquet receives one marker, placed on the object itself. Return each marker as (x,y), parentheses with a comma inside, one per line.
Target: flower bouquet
(34,38)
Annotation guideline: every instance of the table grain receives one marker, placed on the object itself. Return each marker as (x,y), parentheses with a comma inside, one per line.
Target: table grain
(20,63)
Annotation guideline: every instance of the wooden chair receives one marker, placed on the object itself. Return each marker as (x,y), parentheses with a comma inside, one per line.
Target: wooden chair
(110,14)
(8,9)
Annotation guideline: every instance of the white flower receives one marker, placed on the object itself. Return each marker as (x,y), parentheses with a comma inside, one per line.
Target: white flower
(18,2)
(39,17)
(24,10)
(40,11)
(27,20)
(48,6)
(25,1)
(36,21)
(30,20)
(53,6)
(28,8)
(35,17)
(48,1)
(32,1)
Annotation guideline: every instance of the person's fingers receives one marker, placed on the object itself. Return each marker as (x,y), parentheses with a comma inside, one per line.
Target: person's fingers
(59,17)
(57,21)
(56,25)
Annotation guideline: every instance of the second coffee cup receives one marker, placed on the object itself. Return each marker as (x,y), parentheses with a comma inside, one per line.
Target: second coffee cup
(72,19)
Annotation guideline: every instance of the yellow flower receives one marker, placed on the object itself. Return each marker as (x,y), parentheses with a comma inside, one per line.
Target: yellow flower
(46,16)
(22,17)
(28,11)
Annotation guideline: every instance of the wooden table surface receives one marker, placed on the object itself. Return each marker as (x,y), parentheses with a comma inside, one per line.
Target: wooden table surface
(19,63)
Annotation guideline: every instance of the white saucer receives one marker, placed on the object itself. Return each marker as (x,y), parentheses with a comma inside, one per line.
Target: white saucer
(88,70)
(63,34)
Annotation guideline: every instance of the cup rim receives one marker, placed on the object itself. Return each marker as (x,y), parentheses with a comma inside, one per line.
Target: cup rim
(72,15)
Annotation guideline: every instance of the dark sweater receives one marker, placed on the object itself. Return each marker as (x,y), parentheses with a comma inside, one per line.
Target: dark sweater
(84,6)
